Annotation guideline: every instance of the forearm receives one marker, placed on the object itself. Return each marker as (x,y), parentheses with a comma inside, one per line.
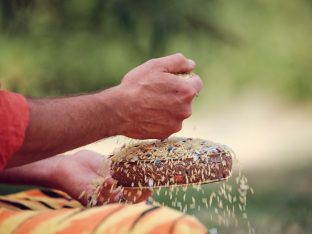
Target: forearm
(59,125)
(37,173)
(150,102)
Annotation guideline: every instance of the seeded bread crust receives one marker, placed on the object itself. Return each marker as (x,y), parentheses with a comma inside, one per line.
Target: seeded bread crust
(175,161)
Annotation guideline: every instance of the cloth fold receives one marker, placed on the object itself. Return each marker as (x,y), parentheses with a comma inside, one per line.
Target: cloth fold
(52,211)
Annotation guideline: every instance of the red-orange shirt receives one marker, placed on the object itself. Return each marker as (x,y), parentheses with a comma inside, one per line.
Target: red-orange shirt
(14,119)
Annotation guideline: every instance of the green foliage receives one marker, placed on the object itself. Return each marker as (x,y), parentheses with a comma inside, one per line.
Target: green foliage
(57,47)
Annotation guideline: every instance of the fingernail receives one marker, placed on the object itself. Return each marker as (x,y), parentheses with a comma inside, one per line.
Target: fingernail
(191,62)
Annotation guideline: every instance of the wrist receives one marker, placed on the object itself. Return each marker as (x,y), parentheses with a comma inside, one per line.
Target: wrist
(43,173)
(53,173)
(114,103)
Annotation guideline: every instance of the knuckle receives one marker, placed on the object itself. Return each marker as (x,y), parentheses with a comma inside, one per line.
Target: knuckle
(180,55)
(154,62)
(186,113)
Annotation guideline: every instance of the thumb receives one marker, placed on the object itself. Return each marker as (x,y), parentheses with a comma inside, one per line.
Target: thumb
(176,63)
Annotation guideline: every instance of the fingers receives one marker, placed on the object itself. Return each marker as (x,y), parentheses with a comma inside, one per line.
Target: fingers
(196,83)
(175,63)
(193,87)
(110,192)
(155,89)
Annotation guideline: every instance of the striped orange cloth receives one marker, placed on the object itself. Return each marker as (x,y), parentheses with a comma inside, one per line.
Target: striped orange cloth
(51,211)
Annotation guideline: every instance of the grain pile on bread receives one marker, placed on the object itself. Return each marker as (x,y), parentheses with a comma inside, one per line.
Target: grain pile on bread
(175,161)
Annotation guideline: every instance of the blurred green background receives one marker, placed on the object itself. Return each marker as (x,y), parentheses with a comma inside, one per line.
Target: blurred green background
(254,58)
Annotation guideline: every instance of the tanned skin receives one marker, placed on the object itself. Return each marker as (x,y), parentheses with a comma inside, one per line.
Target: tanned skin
(73,174)
(151,102)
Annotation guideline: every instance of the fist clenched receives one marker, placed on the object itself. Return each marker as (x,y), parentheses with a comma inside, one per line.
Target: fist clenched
(155,100)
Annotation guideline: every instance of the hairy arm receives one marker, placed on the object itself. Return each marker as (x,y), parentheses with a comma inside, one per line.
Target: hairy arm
(150,102)
(61,124)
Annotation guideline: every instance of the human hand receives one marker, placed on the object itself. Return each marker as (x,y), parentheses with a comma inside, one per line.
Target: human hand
(85,176)
(155,100)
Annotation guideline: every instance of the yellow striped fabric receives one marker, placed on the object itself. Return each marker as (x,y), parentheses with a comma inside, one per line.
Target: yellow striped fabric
(52,211)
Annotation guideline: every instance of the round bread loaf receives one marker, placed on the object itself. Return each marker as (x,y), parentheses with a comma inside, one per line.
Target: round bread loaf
(175,161)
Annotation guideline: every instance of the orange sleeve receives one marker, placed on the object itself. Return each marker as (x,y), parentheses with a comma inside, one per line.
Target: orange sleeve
(14,120)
